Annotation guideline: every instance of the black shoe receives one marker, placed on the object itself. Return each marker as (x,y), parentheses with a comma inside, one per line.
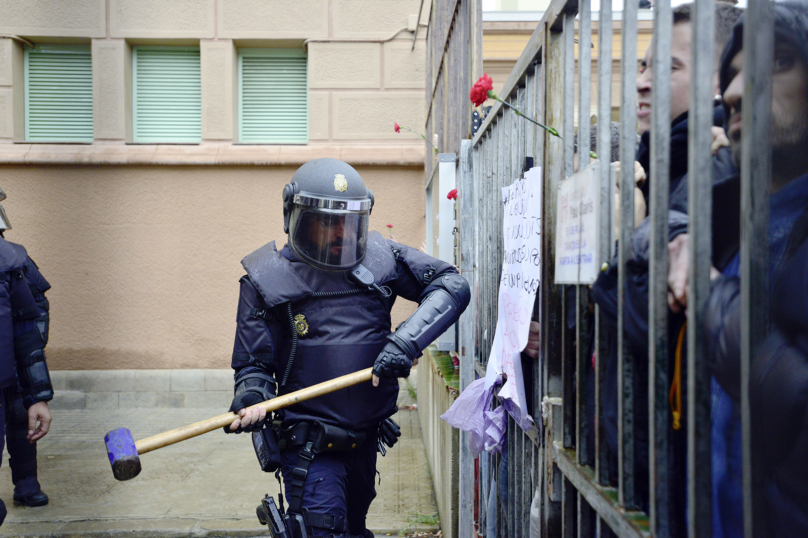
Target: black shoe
(35,499)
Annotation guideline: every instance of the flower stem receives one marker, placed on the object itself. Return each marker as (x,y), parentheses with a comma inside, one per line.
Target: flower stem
(518,112)
(422,136)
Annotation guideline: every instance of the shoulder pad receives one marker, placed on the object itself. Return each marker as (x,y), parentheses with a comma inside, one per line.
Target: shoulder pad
(379,258)
(10,257)
(273,276)
(32,275)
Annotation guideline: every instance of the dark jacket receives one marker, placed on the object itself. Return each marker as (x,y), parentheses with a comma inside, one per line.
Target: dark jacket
(336,335)
(678,160)
(23,325)
(778,384)
(10,267)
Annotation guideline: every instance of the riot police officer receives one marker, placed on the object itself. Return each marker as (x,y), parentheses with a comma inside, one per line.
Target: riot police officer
(24,377)
(320,308)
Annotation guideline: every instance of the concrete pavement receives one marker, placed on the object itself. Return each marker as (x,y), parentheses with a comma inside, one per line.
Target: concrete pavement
(208,486)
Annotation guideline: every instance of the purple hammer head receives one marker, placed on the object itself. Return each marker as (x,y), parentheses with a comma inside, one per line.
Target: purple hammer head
(122,454)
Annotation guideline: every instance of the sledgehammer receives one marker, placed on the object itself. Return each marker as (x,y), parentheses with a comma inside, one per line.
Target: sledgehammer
(124,452)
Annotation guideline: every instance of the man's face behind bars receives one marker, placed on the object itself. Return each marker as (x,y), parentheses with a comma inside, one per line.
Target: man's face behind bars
(681,35)
(789,137)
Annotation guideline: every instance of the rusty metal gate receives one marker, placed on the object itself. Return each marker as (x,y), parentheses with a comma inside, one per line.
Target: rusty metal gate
(574,494)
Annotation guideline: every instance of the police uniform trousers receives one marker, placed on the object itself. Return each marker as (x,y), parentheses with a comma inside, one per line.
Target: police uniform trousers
(22,454)
(340,483)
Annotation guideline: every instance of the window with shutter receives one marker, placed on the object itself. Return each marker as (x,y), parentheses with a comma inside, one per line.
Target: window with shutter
(58,94)
(167,96)
(273,96)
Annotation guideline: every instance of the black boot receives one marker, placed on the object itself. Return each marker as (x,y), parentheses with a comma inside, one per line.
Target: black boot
(35,499)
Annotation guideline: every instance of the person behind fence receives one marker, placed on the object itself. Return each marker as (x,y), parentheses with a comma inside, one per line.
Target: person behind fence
(778,379)
(24,378)
(319,308)
(636,306)
(726,14)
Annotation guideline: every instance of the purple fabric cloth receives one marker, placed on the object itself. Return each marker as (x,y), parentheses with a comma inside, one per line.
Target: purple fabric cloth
(472,413)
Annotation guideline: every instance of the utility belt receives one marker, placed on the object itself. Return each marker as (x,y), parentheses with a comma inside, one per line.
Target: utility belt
(271,440)
(325,437)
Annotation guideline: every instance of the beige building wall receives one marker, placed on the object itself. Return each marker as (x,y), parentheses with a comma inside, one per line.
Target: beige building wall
(142,242)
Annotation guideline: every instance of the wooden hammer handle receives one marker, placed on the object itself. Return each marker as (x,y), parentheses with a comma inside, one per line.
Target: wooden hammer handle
(198,428)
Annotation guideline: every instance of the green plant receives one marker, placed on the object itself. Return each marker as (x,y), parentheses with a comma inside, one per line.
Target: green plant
(413,518)
(411,390)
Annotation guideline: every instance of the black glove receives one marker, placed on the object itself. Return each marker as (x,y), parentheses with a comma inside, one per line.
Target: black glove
(389,432)
(246,399)
(392,362)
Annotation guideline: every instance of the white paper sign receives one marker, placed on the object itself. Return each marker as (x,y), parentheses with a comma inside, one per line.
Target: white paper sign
(576,249)
(521,275)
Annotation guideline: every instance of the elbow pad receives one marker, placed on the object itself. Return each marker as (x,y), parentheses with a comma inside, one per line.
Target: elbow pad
(438,311)
(32,372)
(43,321)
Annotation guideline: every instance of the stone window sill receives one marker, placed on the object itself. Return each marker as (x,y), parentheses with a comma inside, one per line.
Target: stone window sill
(208,153)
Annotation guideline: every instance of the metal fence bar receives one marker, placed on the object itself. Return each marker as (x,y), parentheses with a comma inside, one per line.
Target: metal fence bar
(700,120)
(569,93)
(658,379)
(522,468)
(552,322)
(625,369)
(568,367)
(512,455)
(520,483)
(467,217)
(582,295)
(758,50)
(569,509)
(606,235)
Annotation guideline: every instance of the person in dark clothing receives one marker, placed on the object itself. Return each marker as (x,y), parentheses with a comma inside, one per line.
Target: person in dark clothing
(24,377)
(605,288)
(778,382)
(320,308)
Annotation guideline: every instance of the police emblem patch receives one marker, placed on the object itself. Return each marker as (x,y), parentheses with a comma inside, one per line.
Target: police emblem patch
(301,325)
(340,183)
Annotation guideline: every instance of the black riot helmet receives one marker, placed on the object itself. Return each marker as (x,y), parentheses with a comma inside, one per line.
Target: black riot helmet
(326,209)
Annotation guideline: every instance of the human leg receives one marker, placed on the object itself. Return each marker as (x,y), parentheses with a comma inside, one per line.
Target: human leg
(324,490)
(22,454)
(3,511)
(360,482)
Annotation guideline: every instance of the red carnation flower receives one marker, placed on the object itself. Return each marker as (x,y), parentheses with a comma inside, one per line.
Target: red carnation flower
(397,127)
(389,225)
(479,92)
(452,194)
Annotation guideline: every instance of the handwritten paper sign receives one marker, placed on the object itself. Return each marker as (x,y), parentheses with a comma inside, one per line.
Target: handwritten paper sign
(521,273)
(519,282)
(577,233)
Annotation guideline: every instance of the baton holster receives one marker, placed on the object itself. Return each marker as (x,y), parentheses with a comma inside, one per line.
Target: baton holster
(282,524)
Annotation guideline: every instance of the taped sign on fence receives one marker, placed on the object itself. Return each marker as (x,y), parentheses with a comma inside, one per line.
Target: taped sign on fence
(577,234)
(519,282)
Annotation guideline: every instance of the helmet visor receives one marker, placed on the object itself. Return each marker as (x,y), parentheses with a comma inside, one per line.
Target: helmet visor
(328,239)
